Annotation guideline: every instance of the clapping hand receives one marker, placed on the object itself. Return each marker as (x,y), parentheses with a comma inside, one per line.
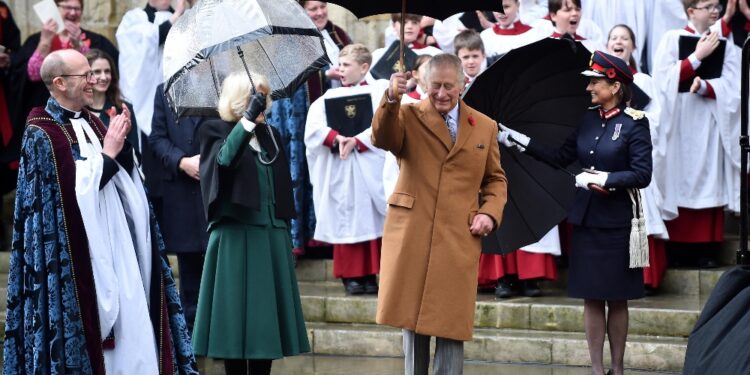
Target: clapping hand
(119,127)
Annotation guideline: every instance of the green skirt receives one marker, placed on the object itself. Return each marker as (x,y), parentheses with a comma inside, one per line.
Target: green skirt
(249,305)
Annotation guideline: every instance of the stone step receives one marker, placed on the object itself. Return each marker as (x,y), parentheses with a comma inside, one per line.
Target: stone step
(663,315)
(347,365)
(679,281)
(501,345)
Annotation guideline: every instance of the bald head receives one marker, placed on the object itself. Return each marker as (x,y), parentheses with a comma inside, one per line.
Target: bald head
(66,74)
(57,63)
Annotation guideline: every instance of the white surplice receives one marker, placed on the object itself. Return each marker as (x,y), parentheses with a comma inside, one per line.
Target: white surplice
(348,194)
(654,208)
(496,44)
(665,15)
(700,134)
(633,13)
(140,62)
(117,223)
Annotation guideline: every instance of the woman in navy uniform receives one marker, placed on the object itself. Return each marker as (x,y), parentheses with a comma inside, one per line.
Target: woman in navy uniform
(614,145)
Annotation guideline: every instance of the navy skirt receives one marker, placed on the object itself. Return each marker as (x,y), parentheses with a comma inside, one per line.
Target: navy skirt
(599,265)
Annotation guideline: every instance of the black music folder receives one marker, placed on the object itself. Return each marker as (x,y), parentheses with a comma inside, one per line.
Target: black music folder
(389,62)
(711,67)
(640,99)
(349,115)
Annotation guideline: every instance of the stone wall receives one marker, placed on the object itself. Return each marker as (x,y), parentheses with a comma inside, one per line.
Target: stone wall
(103,16)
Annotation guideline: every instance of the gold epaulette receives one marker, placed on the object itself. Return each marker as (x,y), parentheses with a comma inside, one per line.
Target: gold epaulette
(634,113)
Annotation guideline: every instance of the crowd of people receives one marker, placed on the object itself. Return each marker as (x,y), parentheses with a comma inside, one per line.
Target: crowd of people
(240,196)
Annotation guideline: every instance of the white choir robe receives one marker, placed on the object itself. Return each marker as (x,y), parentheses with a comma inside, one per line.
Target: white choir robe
(497,44)
(633,13)
(594,38)
(701,167)
(531,11)
(140,62)
(348,194)
(665,15)
(654,209)
(445,31)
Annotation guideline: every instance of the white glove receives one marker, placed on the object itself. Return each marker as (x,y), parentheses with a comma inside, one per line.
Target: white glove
(511,138)
(583,179)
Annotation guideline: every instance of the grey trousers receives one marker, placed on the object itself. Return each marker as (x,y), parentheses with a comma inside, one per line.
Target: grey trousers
(449,355)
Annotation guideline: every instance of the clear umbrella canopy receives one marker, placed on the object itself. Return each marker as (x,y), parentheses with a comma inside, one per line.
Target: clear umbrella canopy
(274,38)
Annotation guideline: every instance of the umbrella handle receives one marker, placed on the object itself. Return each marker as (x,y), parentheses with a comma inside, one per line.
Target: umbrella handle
(598,189)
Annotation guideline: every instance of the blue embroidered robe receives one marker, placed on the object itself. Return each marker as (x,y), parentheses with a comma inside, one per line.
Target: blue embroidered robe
(51,323)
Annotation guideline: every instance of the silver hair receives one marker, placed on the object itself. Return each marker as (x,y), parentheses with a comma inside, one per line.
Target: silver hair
(446,59)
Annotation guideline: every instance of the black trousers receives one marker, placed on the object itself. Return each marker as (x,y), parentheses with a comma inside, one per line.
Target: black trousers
(247,366)
(191,269)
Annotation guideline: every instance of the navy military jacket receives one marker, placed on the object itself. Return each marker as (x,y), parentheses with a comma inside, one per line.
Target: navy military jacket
(618,142)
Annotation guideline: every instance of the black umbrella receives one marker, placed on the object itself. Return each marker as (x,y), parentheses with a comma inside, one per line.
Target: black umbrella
(366,8)
(537,90)
(430,8)
(718,343)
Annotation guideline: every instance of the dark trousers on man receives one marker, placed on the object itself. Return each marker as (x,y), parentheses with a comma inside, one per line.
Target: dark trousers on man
(449,355)
(191,269)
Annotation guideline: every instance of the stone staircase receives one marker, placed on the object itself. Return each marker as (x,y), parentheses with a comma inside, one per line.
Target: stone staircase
(547,330)
(543,331)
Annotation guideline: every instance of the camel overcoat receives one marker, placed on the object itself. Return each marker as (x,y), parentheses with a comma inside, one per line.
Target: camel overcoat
(429,261)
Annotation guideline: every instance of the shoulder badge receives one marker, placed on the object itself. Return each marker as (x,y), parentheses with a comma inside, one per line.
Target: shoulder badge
(634,113)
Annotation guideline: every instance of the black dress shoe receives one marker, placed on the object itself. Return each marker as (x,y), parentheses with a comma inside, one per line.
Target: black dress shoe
(649,291)
(371,284)
(353,287)
(504,289)
(531,288)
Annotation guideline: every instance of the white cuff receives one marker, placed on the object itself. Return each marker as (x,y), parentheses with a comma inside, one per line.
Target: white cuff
(248,125)
(694,62)
(703,90)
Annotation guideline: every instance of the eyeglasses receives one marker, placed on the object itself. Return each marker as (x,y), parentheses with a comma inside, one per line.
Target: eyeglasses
(69,8)
(711,8)
(88,75)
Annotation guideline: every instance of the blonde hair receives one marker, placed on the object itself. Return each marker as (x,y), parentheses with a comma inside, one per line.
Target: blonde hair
(358,52)
(235,94)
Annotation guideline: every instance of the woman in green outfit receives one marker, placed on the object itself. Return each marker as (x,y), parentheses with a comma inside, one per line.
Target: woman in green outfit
(249,310)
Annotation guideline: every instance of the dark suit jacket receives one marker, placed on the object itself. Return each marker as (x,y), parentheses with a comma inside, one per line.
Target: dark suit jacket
(182,222)
(620,145)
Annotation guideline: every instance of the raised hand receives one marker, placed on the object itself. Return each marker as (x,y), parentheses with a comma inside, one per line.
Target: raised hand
(119,127)
(256,106)
(398,84)
(706,45)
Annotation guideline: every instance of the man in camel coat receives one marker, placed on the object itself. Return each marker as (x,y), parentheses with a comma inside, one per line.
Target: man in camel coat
(447,153)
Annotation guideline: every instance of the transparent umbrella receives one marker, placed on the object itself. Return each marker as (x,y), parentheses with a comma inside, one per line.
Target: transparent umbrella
(274,38)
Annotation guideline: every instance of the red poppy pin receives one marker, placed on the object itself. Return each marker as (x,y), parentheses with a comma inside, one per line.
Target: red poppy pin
(471,120)
(611,73)
(4,13)
(112,112)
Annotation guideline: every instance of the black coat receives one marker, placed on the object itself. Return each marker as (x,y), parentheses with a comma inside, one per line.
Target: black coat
(240,182)
(181,220)
(620,145)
